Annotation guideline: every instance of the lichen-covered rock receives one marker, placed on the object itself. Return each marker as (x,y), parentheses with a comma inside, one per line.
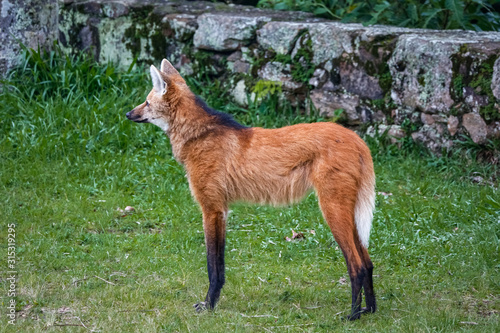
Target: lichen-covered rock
(30,22)
(356,81)
(394,132)
(183,65)
(115,9)
(239,93)
(369,116)
(402,114)
(473,100)
(333,43)
(429,119)
(115,32)
(241,67)
(476,126)
(432,137)
(452,125)
(235,56)
(236,64)
(422,67)
(182,25)
(280,36)
(279,72)
(226,32)
(331,39)
(319,77)
(495,81)
(493,130)
(327,103)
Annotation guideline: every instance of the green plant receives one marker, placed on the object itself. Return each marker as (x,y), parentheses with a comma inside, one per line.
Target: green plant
(476,15)
(302,66)
(478,81)
(458,86)
(482,84)
(488,153)
(264,88)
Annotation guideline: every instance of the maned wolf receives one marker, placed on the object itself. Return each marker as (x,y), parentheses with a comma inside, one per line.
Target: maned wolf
(226,161)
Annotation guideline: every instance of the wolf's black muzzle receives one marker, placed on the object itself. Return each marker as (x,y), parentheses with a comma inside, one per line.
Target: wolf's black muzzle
(136,119)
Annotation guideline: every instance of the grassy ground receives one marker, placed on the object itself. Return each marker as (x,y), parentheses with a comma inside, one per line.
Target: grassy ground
(69,159)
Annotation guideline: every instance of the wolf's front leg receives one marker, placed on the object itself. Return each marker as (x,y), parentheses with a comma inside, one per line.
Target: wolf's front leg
(214,224)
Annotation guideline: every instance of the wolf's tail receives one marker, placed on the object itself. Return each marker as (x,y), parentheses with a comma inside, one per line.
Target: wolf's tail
(365,204)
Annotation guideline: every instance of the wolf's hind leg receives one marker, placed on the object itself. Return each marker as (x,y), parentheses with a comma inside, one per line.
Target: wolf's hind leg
(338,211)
(214,224)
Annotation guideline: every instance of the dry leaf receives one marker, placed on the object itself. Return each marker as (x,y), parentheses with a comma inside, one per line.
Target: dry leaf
(297,235)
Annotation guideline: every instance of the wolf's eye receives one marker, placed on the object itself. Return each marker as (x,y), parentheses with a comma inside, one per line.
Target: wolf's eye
(147,103)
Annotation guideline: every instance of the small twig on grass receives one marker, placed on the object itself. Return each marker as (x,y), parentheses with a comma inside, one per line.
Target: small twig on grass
(91,330)
(100,278)
(258,316)
(81,322)
(138,310)
(79,325)
(95,276)
(468,323)
(268,328)
(286,326)
(307,307)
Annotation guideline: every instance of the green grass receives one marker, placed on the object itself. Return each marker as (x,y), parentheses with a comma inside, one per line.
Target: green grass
(69,159)
(477,15)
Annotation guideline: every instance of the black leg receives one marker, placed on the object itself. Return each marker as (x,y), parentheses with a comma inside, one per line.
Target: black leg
(371,303)
(215,266)
(357,279)
(214,225)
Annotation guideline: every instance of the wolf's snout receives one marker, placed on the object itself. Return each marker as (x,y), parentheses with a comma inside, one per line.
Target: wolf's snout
(136,118)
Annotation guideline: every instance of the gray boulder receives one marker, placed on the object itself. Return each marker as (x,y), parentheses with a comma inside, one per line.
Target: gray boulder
(476,127)
(422,67)
(226,32)
(327,102)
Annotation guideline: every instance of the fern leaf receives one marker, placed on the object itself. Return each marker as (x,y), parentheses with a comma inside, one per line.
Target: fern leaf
(456,8)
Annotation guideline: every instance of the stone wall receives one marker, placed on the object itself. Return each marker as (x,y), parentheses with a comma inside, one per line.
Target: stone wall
(30,22)
(433,86)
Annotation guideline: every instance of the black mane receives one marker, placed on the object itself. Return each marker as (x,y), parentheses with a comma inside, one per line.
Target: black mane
(221,117)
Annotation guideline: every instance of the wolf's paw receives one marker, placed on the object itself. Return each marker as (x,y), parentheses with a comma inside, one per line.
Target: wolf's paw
(353,316)
(367,310)
(199,307)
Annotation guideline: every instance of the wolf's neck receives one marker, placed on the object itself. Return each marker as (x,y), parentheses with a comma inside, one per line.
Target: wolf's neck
(189,124)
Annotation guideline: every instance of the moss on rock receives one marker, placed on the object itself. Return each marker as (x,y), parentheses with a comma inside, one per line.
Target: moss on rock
(473,74)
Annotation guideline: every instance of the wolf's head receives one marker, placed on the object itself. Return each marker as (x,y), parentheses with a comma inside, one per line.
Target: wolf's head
(160,105)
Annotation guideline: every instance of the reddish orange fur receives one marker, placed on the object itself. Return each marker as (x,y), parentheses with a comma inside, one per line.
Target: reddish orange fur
(274,166)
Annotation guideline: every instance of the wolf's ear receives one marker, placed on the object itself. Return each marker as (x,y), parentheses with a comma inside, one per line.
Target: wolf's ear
(159,84)
(167,68)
